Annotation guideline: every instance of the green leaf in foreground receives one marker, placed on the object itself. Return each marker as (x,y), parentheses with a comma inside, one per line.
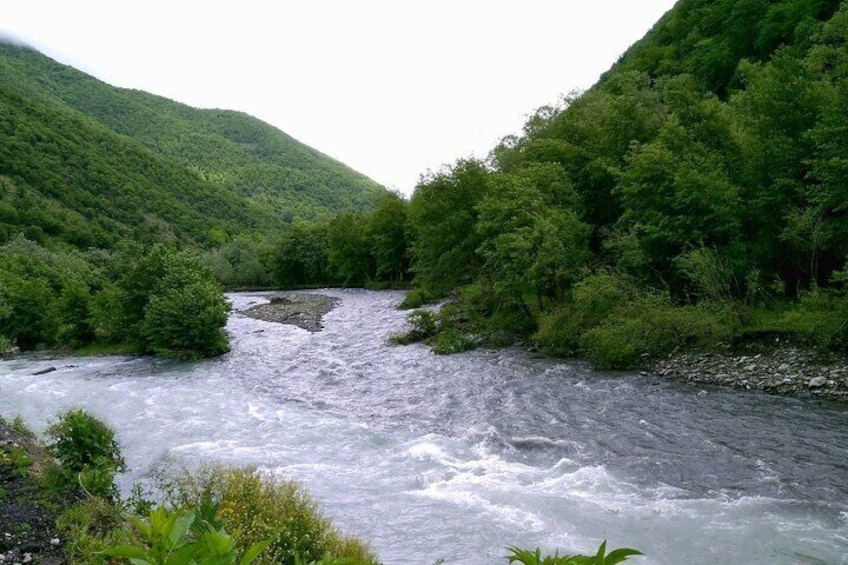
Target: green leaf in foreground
(527,557)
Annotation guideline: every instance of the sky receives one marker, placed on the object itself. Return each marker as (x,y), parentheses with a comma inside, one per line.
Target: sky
(391,88)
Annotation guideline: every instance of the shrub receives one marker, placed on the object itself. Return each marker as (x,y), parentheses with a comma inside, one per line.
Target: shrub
(650,327)
(526,557)
(444,331)
(425,324)
(708,272)
(821,317)
(87,451)
(184,536)
(415,299)
(451,340)
(593,300)
(89,527)
(256,508)
(5,345)
(185,322)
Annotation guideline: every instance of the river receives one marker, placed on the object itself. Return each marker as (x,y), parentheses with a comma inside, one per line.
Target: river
(458,457)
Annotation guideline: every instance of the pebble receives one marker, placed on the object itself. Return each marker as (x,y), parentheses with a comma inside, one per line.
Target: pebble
(781,370)
(55,541)
(817,382)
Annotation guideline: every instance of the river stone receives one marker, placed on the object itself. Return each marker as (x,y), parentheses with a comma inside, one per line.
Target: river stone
(817,382)
(783,367)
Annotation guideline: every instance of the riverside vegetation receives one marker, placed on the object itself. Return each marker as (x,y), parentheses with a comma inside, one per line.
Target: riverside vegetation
(692,199)
(695,197)
(64,508)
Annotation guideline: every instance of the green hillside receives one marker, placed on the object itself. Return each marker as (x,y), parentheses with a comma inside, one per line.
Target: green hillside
(89,164)
(707,39)
(696,195)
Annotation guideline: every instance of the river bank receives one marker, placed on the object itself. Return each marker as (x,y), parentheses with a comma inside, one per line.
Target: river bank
(28,531)
(430,456)
(773,369)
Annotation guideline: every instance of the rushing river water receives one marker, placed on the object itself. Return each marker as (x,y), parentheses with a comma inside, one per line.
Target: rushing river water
(457,457)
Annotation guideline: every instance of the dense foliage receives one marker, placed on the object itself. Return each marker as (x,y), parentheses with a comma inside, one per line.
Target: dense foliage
(699,184)
(156,301)
(88,454)
(88,164)
(701,181)
(369,248)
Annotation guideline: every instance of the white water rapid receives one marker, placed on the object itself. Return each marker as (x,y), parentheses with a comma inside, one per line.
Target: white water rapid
(458,457)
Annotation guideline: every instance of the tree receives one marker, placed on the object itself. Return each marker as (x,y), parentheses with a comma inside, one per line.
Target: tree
(299,256)
(443,214)
(170,305)
(388,228)
(350,254)
(532,241)
(677,194)
(184,320)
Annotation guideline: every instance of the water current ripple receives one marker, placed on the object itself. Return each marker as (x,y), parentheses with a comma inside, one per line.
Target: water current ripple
(460,456)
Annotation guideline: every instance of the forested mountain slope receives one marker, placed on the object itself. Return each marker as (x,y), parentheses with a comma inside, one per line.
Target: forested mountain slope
(89,164)
(708,38)
(702,182)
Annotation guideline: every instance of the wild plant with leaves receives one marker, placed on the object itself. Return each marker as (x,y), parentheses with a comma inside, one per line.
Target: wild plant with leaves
(185,537)
(527,557)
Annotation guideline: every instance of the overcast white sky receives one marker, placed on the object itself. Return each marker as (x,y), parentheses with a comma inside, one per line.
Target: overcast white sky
(392,88)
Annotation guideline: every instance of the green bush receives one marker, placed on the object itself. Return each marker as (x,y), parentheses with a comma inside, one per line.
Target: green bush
(526,557)
(184,536)
(87,451)
(425,325)
(651,327)
(256,508)
(821,318)
(185,322)
(445,331)
(592,301)
(166,302)
(451,340)
(5,345)
(415,298)
(90,526)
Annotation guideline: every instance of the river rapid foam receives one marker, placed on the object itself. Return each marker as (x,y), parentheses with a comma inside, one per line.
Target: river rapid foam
(458,457)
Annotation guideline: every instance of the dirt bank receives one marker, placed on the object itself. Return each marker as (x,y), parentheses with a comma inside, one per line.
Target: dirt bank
(27,515)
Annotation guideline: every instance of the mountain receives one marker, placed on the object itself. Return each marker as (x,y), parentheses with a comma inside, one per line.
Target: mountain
(707,39)
(696,193)
(88,164)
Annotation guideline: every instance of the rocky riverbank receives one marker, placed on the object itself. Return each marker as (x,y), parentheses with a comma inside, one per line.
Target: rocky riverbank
(305,311)
(786,370)
(27,516)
